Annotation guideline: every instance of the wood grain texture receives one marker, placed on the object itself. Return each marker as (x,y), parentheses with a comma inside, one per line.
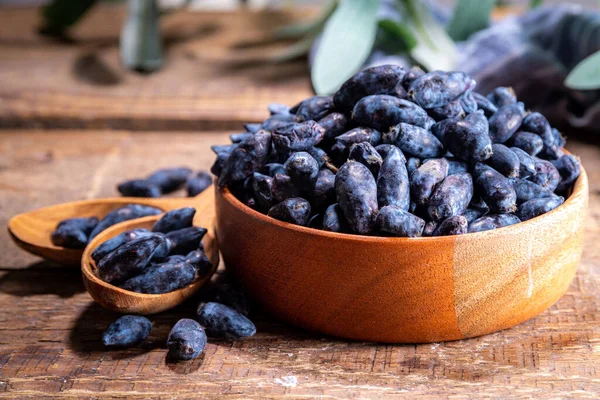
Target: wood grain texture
(338,284)
(504,278)
(50,328)
(213,77)
(401,290)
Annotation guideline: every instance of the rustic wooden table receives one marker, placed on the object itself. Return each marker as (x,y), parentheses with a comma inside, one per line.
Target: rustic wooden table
(221,79)
(50,328)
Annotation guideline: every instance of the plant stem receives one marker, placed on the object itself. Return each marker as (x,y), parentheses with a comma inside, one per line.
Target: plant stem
(141,46)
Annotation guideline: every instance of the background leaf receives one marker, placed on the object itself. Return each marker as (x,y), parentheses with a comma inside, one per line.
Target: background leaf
(535,3)
(399,31)
(59,15)
(586,74)
(470,16)
(434,48)
(140,43)
(346,43)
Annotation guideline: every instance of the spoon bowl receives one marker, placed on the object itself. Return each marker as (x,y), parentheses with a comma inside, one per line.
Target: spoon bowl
(31,230)
(127,302)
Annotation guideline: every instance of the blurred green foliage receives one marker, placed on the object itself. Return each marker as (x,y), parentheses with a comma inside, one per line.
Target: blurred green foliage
(59,15)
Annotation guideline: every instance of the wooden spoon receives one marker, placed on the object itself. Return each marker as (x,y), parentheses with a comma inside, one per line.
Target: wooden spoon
(31,230)
(124,301)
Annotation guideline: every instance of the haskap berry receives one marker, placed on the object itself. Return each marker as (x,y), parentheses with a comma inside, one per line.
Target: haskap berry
(403,153)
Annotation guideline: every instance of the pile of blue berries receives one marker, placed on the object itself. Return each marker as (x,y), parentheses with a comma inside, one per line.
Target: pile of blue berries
(166,258)
(398,152)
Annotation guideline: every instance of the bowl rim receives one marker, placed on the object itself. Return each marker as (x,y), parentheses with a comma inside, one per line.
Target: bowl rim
(579,188)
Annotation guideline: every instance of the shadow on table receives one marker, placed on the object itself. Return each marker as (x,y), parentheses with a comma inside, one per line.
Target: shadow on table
(86,335)
(91,67)
(185,367)
(42,278)
(293,72)
(175,35)
(88,67)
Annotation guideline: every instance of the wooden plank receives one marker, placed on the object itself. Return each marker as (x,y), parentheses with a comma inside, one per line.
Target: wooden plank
(47,167)
(50,346)
(212,79)
(50,328)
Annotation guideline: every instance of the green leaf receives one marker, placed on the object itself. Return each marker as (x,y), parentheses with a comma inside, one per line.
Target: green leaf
(535,3)
(400,31)
(470,16)
(416,18)
(434,49)
(61,14)
(586,74)
(346,43)
(304,28)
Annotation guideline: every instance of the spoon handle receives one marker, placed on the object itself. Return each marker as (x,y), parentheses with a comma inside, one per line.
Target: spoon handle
(203,203)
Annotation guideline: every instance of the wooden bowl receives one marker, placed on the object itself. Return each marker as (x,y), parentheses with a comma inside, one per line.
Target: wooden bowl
(126,302)
(403,289)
